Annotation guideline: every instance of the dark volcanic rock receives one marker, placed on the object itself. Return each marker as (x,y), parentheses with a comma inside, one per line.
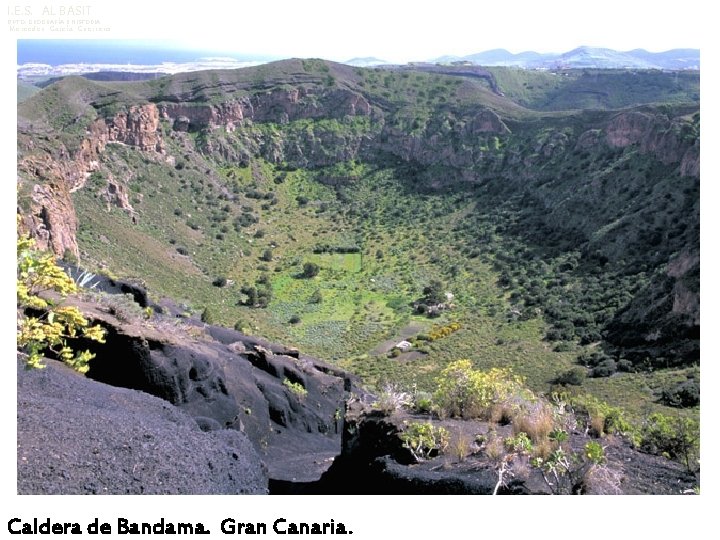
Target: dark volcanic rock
(226,380)
(79,436)
(375,462)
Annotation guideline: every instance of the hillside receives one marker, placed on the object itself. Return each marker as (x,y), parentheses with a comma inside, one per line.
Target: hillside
(543,221)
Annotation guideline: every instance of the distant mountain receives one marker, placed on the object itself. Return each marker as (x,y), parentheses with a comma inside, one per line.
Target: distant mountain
(502,57)
(367,61)
(674,59)
(585,57)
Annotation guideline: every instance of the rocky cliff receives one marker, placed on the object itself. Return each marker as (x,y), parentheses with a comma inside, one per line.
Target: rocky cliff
(49,171)
(671,141)
(268,411)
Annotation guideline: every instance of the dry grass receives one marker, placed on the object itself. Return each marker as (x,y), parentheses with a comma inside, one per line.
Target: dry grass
(544,448)
(460,446)
(597,425)
(494,448)
(537,421)
(501,413)
(521,467)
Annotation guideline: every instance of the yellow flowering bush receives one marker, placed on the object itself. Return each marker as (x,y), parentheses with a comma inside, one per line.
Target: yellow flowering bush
(41,323)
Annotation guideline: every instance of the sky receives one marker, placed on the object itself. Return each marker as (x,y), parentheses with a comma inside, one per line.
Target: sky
(396,31)
(402,31)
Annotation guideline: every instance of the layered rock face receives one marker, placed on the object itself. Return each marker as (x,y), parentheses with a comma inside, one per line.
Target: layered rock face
(59,171)
(78,436)
(225,380)
(248,410)
(657,135)
(278,105)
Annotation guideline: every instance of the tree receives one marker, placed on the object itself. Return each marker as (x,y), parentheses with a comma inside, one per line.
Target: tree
(44,324)
(433,293)
(310,270)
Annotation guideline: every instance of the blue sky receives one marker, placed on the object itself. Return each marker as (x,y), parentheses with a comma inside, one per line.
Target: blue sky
(405,31)
(400,30)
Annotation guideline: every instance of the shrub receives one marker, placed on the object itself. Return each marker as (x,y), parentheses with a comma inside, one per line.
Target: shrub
(220,281)
(468,393)
(391,398)
(600,416)
(604,369)
(423,402)
(295,387)
(48,325)
(675,438)
(122,306)
(568,473)
(294,319)
(424,440)
(684,394)
(207,316)
(572,377)
(520,443)
(310,270)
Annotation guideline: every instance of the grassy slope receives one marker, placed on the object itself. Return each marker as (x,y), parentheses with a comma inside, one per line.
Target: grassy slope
(365,297)
(595,89)
(25,91)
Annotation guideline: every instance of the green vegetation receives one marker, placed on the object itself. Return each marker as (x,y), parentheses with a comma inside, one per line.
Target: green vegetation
(296,388)
(561,90)
(424,440)
(45,326)
(468,393)
(545,235)
(675,438)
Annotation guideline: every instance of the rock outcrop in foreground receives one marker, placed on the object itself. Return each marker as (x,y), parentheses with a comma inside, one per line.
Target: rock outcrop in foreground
(78,436)
(224,418)
(234,408)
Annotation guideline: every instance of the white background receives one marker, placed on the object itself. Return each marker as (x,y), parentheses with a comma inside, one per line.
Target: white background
(395,31)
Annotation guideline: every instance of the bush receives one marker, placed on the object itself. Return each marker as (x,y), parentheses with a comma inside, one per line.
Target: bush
(220,281)
(468,393)
(684,394)
(520,443)
(207,316)
(295,387)
(604,369)
(41,324)
(424,440)
(600,416)
(572,377)
(316,297)
(310,270)
(675,438)
(391,398)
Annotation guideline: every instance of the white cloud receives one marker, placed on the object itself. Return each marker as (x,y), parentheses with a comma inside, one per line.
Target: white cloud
(33,70)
